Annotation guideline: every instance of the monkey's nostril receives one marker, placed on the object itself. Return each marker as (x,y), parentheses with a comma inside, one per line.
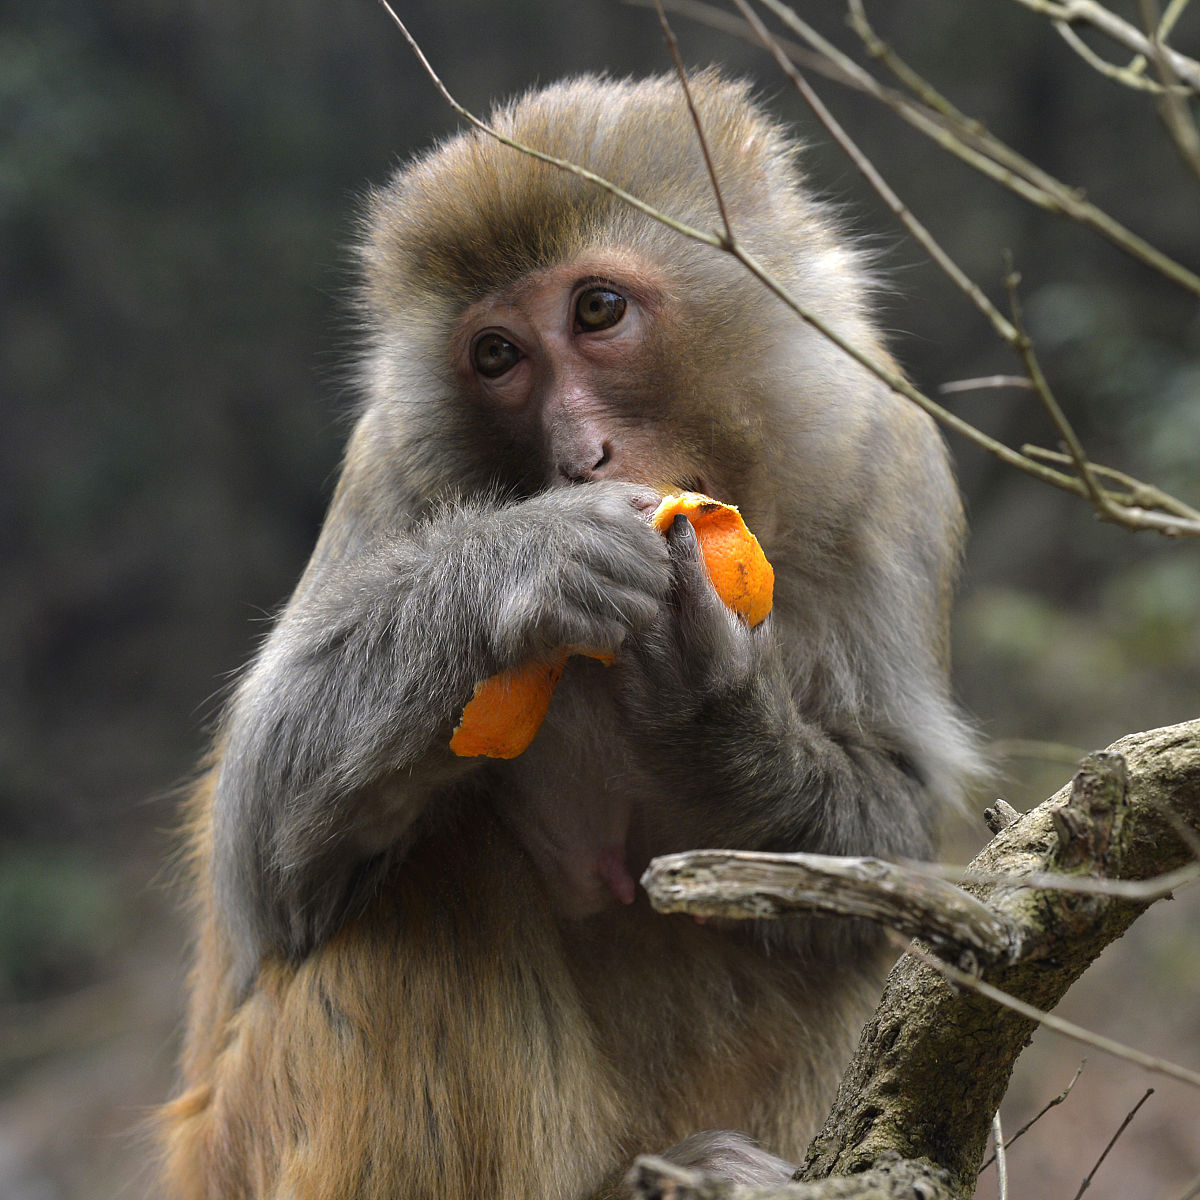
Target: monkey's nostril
(587,468)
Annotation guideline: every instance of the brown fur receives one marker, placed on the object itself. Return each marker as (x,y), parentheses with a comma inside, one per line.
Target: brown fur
(456,1004)
(387,1002)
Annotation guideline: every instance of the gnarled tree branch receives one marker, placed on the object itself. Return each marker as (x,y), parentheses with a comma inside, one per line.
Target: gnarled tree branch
(915,1106)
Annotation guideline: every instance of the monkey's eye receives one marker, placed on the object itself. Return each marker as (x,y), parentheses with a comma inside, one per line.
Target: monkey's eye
(599,308)
(494,355)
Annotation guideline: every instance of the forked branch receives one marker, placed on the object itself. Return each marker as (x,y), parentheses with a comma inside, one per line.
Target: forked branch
(917,1099)
(1175,519)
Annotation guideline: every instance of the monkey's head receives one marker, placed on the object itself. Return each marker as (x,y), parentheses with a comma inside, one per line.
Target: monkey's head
(528,329)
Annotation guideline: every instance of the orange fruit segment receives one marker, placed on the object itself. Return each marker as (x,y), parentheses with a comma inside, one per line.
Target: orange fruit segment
(508,708)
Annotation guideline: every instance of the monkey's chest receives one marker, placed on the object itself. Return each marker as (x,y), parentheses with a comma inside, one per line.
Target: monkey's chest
(576,799)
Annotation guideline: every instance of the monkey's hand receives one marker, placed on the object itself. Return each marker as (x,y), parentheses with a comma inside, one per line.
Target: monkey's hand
(712,714)
(338,736)
(589,568)
(697,650)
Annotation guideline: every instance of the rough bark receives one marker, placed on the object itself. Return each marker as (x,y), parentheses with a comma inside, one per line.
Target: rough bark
(914,1109)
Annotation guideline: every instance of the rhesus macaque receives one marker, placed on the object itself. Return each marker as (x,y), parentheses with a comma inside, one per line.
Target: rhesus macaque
(426,976)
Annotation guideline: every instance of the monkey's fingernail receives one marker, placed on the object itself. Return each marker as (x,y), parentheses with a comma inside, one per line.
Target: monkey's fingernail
(681,527)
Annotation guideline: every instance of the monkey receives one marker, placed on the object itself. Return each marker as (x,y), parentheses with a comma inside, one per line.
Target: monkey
(423,975)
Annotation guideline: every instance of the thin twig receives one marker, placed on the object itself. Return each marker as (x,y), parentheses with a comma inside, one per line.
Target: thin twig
(1173,13)
(1033,368)
(974,144)
(562,164)
(963,137)
(1137,890)
(718,195)
(1055,752)
(1087,1179)
(985,382)
(721,21)
(1136,492)
(1040,1114)
(1191,1191)
(971,984)
(1104,503)
(1001,1161)
(1130,76)
(1113,27)
(928,243)
(1137,518)
(1176,116)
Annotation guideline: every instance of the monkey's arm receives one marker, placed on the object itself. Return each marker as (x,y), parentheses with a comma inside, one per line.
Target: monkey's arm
(337,738)
(718,714)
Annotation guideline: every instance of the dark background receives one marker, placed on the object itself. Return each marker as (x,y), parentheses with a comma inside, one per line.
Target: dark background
(178,188)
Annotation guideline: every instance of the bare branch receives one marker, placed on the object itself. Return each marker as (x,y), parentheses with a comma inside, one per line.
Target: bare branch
(1031,747)
(1001,1161)
(985,382)
(1191,1191)
(746,884)
(970,983)
(968,1036)
(1136,493)
(1146,891)
(562,164)
(1040,1113)
(1131,75)
(1041,386)
(1131,517)
(1088,12)
(926,240)
(1172,108)
(681,73)
(1087,1179)
(891,1179)
(970,141)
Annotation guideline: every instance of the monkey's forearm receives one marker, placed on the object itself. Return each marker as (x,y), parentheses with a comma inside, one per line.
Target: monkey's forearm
(783,779)
(331,747)
(338,736)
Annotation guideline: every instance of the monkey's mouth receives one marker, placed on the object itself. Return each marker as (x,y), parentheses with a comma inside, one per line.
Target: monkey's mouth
(687,483)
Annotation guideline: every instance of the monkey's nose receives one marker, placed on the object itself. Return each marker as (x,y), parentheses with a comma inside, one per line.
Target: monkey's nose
(586,468)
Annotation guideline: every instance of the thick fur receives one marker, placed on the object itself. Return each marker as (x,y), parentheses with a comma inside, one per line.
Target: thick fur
(405,984)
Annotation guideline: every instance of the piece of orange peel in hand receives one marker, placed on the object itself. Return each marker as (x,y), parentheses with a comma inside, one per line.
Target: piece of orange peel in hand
(507,709)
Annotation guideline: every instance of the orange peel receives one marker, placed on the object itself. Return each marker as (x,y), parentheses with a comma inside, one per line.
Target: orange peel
(508,708)
(735,562)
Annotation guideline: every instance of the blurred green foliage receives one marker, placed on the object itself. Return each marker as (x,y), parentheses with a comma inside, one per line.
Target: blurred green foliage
(60,918)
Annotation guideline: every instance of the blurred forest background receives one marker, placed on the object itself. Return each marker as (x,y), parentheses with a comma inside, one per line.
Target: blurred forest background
(178,189)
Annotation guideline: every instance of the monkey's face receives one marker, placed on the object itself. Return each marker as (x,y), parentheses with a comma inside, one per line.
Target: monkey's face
(527,329)
(593,367)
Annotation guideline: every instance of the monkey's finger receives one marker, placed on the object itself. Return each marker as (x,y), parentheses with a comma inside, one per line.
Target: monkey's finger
(605,604)
(708,631)
(694,590)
